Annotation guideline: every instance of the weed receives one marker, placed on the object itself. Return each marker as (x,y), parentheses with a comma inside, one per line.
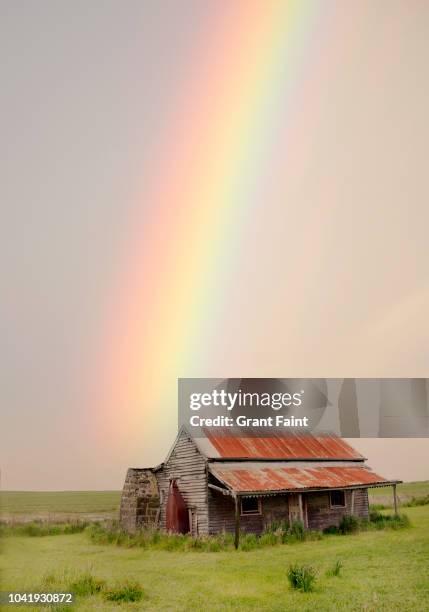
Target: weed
(377,520)
(336,569)
(128,591)
(302,577)
(297,530)
(86,585)
(348,524)
(275,533)
(249,541)
(269,539)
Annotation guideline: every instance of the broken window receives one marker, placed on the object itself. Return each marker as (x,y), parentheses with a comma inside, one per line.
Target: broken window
(338,499)
(250,505)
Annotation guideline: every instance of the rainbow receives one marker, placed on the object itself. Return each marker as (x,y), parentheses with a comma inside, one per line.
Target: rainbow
(235,112)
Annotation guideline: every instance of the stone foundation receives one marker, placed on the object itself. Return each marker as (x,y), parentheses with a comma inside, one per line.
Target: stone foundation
(140,500)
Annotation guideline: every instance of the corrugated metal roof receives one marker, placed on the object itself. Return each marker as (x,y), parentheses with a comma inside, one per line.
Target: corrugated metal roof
(275,477)
(221,444)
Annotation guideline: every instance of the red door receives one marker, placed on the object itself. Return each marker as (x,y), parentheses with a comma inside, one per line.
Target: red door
(177,516)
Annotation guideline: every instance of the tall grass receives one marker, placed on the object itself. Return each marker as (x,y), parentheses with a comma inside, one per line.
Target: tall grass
(85,584)
(128,591)
(42,528)
(302,577)
(273,535)
(375,521)
(335,570)
(112,533)
(349,524)
(421,500)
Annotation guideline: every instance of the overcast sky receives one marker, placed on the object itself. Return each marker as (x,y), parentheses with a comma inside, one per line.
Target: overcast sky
(87,87)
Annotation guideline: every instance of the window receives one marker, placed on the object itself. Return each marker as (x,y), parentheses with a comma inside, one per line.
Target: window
(338,499)
(250,505)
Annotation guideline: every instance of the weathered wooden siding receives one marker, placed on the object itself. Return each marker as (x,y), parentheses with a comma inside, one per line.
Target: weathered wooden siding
(188,466)
(276,508)
(361,503)
(320,514)
(222,513)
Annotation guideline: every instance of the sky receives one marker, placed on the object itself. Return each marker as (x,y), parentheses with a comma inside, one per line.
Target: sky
(202,189)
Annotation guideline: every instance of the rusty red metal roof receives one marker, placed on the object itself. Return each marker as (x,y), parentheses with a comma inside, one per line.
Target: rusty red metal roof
(223,445)
(271,477)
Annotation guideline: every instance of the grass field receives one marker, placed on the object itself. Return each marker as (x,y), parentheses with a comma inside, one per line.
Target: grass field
(382,570)
(27,505)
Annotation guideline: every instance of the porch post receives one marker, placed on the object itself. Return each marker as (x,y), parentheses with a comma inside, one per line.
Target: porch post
(301,511)
(352,510)
(237,520)
(395,500)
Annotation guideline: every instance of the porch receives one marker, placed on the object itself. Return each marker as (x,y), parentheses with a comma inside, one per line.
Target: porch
(249,497)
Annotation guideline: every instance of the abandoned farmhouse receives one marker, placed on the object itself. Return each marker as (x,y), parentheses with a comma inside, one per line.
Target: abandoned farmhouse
(229,483)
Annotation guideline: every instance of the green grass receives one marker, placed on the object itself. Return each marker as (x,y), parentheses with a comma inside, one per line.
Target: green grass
(302,577)
(112,533)
(380,571)
(42,528)
(29,504)
(128,591)
(154,539)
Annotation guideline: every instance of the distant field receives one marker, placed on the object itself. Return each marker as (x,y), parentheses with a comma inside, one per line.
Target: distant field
(406,492)
(24,505)
(383,571)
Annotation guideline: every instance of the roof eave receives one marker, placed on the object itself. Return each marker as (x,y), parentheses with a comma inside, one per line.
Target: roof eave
(385,483)
(288,460)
